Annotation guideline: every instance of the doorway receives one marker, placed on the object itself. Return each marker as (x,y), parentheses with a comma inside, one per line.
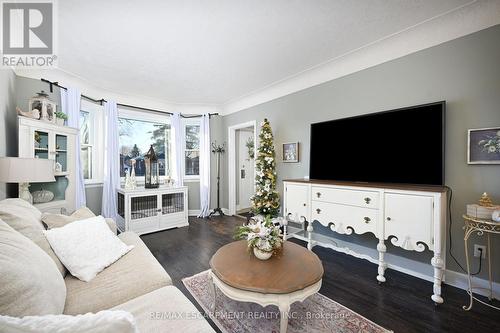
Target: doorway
(241,166)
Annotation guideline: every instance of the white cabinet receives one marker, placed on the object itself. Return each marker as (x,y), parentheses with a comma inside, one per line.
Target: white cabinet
(148,210)
(412,217)
(38,139)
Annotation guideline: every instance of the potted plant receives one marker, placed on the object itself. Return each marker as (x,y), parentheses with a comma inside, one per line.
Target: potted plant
(262,236)
(61,117)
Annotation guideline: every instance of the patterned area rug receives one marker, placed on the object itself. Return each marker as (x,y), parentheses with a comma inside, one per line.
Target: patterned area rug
(316,314)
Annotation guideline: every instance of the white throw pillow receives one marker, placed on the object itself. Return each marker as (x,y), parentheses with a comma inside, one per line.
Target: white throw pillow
(86,247)
(102,322)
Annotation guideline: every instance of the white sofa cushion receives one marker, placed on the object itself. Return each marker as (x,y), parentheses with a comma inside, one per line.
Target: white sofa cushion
(101,322)
(52,221)
(135,274)
(26,219)
(86,247)
(30,283)
(166,310)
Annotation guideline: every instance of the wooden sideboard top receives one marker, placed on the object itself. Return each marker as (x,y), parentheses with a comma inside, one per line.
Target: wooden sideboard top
(394,186)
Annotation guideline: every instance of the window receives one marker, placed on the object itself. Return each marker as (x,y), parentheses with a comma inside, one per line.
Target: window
(86,144)
(192,150)
(137,132)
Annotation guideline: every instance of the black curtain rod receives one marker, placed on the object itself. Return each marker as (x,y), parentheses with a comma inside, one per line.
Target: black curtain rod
(100,101)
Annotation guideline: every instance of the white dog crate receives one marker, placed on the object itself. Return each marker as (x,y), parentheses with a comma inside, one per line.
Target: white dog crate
(148,210)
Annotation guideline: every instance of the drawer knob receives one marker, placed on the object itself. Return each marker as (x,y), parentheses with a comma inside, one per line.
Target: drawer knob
(318,210)
(367,200)
(304,205)
(367,219)
(318,194)
(388,218)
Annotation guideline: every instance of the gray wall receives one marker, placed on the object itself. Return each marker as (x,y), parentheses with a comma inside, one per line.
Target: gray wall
(8,120)
(465,72)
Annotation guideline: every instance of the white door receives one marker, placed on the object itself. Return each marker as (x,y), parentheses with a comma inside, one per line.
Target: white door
(297,202)
(410,219)
(244,169)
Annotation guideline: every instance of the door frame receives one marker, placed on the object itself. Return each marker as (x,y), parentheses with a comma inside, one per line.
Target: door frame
(231,153)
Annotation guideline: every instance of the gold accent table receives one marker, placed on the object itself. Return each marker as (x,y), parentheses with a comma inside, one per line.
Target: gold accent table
(479,226)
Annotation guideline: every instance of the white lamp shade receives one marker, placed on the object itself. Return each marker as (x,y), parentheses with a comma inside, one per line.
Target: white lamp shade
(26,170)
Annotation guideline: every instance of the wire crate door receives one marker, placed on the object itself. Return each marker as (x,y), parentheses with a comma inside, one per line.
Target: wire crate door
(144,213)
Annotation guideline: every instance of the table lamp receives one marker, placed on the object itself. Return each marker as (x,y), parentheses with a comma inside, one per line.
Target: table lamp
(25,171)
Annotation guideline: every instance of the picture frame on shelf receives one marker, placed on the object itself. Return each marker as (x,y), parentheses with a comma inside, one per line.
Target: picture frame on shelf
(483,145)
(291,152)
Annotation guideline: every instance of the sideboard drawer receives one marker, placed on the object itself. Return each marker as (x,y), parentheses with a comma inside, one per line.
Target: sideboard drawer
(342,218)
(368,199)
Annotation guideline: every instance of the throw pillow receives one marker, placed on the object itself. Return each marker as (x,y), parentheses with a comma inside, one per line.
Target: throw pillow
(30,283)
(58,220)
(26,219)
(101,322)
(86,247)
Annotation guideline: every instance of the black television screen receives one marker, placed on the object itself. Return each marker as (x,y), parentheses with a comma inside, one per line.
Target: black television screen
(398,146)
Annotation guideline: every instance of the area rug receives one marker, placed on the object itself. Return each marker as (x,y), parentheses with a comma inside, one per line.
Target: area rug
(316,314)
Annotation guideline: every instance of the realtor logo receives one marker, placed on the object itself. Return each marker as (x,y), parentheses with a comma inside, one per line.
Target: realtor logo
(28,34)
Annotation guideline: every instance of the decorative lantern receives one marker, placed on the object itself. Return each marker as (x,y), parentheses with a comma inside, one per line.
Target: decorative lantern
(46,107)
(152,171)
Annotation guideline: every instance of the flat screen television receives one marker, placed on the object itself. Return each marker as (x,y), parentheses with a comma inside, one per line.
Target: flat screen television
(398,146)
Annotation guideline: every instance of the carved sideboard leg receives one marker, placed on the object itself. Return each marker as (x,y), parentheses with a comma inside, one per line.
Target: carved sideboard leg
(382,249)
(438,264)
(309,235)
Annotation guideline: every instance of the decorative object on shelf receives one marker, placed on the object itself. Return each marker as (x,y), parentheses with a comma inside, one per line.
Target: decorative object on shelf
(128,185)
(484,146)
(266,200)
(42,196)
(495,216)
(218,150)
(485,200)
(61,117)
(291,152)
(484,209)
(25,171)
(58,167)
(262,236)
(46,107)
(251,149)
(133,181)
(152,174)
(30,114)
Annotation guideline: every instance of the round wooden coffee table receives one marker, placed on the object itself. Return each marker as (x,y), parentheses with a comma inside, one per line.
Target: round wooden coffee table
(292,275)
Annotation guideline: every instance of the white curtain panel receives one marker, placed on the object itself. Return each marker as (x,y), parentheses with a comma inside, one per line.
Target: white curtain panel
(70,105)
(111,161)
(205,166)
(177,148)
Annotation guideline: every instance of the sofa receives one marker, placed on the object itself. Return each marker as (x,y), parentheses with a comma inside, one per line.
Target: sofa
(136,283)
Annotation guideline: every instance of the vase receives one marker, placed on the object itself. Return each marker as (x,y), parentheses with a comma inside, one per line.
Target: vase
(60,121)
(262,255)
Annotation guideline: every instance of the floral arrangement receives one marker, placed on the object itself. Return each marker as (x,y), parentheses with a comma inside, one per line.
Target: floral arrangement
(266,199)
(261,234)
(491,144)
(250,146)
(61,115)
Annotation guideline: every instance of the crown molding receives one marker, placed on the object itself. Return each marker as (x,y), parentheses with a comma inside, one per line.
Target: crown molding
(472,17)
(70,79)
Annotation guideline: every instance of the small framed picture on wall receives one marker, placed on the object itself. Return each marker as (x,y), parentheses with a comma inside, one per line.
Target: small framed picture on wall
(291,152)
(483,146)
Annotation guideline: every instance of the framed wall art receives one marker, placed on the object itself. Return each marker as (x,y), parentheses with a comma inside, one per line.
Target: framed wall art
(483,146)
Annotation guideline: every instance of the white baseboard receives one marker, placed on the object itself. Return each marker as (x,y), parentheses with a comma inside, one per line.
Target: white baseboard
(452,278)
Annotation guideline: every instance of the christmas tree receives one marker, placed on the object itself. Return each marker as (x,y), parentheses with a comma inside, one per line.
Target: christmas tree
(266,200)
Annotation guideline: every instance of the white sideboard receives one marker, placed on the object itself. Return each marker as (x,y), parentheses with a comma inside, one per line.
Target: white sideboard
(148,210)
(412,216)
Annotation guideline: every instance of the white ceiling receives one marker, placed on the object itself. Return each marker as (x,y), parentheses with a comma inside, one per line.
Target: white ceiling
(215,52)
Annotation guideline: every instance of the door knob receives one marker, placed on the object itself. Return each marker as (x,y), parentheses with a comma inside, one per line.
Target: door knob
(367,219)
(388,218)
(318,210)
(304,205)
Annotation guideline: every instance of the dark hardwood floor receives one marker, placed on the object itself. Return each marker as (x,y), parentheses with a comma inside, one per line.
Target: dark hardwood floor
(401,304)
